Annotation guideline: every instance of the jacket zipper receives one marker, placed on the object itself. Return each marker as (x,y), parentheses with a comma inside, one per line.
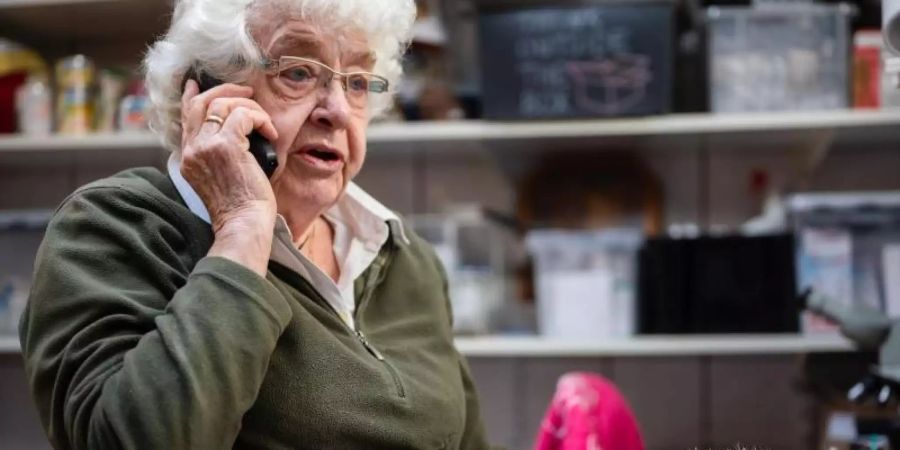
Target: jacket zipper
(373,278)
(374,351)
(377,267)
(395,376)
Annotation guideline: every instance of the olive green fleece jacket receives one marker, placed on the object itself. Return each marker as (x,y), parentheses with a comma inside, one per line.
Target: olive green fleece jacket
(133,338)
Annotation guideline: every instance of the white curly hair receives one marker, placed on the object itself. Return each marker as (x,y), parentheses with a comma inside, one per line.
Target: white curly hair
(218,37)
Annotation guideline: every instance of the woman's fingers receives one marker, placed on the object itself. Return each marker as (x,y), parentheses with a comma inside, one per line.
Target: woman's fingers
(239,114)
(194,104)
(224,107)
(243,120)
(191,89)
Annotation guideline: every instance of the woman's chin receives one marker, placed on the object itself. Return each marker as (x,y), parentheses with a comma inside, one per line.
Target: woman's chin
(319,193)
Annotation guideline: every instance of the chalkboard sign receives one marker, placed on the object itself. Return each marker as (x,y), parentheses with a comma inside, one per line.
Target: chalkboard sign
(596,61)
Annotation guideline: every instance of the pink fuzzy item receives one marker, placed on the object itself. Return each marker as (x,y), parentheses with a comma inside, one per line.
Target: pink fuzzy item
(588,413)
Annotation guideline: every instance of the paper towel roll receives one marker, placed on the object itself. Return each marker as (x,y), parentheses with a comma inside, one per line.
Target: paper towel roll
(890,14)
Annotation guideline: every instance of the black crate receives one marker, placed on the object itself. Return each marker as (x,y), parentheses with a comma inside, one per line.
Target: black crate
(718,285)
(578,62)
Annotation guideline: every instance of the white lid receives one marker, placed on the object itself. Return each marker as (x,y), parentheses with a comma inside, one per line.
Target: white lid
(868,38)
(429,30)
(806,202)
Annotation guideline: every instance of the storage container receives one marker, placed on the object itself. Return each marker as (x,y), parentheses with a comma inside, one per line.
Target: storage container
(779,56)
(848,249)
(585,282)
(592,61)
(473,252)
(718,285)
(21,233)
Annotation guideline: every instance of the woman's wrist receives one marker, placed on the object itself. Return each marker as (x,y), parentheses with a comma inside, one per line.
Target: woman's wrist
(245,241)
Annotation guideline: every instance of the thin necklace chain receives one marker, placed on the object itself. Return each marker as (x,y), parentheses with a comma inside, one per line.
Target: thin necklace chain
(312,236)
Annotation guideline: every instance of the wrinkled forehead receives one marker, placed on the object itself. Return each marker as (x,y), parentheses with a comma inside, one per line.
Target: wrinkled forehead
(329,45)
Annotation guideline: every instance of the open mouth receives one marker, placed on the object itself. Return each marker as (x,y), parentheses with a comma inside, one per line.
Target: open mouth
(322,157)
(324,154)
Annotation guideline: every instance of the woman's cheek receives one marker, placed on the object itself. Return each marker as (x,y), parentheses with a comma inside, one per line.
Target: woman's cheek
(357,160)
(358,143)
(288,118)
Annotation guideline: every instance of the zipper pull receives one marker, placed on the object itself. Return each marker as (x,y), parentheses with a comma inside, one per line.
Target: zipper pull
(368,346)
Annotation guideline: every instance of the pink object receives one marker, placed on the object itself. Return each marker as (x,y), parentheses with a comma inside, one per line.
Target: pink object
(588,413)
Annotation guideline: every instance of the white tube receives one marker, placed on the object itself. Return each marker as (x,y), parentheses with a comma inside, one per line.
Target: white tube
(890,21)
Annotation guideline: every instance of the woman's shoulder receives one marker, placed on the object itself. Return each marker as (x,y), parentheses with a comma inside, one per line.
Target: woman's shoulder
(416,248)
(146,188)
(141,203)
(137,184)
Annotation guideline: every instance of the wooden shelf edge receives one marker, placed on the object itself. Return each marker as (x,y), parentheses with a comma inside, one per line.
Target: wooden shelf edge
(9,4)
(624,347)
(478,130)
(9,345)
(100,141)
(652,346)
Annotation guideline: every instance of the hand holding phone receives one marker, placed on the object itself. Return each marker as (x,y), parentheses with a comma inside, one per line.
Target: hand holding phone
(237,195)
(263,150)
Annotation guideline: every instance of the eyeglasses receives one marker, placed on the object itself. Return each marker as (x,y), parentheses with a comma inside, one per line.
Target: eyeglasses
(297,77)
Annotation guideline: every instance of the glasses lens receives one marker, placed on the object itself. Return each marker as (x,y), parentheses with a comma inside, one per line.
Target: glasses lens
(296,79)
(358,90)
(378,86)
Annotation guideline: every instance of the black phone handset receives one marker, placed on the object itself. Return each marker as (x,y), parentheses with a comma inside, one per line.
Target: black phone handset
(260,147)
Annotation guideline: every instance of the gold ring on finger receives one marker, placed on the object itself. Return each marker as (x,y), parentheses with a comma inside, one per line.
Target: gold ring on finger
(216,119)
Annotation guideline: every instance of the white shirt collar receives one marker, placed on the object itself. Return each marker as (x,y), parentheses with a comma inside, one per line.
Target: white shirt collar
(356,207)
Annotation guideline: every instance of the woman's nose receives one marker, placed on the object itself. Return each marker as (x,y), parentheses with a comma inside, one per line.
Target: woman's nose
(332,110)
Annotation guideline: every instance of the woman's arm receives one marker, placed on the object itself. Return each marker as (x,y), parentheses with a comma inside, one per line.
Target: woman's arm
(122,348)
(126,346)
(474,436)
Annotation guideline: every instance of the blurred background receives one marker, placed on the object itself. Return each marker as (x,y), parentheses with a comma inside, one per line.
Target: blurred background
(698,200)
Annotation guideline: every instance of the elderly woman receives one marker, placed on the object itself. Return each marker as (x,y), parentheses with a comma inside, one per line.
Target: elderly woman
(212,307)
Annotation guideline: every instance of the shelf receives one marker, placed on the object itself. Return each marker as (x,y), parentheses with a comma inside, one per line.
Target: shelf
(11,4)
(9,345)
(46,23)
(532,347)
(417,134)
(669,125)
(91,142)
(652,346)
(25,220)
(112,149)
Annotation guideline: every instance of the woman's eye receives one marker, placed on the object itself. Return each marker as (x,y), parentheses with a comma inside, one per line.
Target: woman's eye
(298,74)
(358,83)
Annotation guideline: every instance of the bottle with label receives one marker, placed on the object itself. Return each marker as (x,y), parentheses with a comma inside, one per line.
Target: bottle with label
(74,103)
(34,107)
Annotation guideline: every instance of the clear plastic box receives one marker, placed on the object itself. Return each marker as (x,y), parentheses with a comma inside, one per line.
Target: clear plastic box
(585,282)
(779,57)
(472,250)
(848,250)
(21,233)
